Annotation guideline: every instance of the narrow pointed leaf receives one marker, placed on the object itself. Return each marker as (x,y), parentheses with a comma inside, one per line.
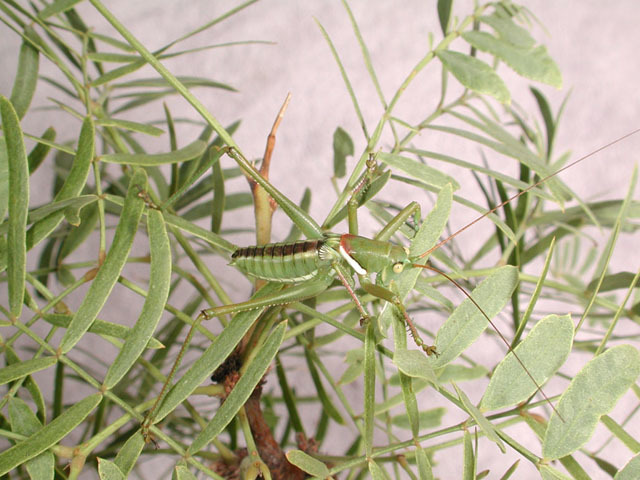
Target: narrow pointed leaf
(369,387)
(325,400)
(424,466)
(480,419)
(428,419)
(468,460)
(543,351)
(22,369)
(289,398)
(18,206)
(376,472)
(118,72)
(307,463)
(547,472)
(25,422)
(4,181)
(99,327)
(219,197)
(131,126)
(49,435)
(159,282)
(475,75)
(130,452)
(621,434)
(183,473)
(444,14)
(467,323)
(56,7)
(615,281)
(342,148)
(190,152)
(242,390)
(26,80)
(72,187)
(593,392)
(115,260)
(209,237)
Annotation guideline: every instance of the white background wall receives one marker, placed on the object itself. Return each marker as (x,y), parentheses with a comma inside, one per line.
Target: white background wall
(594,46)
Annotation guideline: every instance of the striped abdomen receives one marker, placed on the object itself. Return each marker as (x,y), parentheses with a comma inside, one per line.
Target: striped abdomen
(280,262)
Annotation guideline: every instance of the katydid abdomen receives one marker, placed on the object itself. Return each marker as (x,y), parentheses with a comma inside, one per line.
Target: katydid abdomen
(282,262)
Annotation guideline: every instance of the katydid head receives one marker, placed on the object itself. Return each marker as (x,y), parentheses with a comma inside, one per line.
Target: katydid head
(372,256)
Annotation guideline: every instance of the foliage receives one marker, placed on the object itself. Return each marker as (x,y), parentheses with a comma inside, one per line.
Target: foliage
(124,223)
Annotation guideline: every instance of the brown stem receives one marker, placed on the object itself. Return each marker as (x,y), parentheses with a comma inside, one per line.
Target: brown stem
(268,447)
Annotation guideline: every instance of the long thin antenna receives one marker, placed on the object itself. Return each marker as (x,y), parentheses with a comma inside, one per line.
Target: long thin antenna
(468,295)
(537,184)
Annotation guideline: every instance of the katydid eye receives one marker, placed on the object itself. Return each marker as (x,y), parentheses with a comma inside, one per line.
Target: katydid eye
(398,267)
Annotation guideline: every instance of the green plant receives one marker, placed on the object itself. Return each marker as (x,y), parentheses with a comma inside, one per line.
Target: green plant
(107,181)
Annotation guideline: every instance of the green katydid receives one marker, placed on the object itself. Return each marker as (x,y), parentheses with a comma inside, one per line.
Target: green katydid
(310,266)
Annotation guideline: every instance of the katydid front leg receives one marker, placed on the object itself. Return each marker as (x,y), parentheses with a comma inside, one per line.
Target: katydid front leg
(391,297)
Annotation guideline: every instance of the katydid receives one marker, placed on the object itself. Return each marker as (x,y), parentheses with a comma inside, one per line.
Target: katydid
(310,266)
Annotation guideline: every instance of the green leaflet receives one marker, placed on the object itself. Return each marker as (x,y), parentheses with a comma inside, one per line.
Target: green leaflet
(593,392)
(543,352)
(475,75)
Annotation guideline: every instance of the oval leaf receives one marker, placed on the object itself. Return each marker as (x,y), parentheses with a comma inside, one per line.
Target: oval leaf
(533,63)
(543,352)
(467,323)
(509,31)
(307,463)
(475,75)
(631,471)
(414,363)
(109,470)
(593,392)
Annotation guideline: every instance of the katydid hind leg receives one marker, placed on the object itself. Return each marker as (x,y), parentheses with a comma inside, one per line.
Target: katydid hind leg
(295,293)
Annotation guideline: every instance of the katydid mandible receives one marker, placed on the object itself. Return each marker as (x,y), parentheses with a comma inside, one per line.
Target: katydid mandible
(310,266)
